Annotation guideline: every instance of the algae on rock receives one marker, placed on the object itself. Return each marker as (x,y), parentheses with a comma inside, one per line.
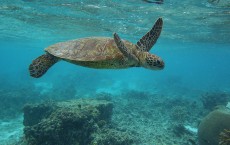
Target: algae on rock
(68,122)
(212,125)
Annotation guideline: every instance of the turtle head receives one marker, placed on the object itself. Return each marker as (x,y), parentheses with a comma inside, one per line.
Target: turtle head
(151,61)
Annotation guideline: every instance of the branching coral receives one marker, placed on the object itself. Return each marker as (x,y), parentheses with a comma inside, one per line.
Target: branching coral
(224,137)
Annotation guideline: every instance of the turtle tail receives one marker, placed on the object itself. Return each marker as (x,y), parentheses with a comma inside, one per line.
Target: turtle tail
(40,65)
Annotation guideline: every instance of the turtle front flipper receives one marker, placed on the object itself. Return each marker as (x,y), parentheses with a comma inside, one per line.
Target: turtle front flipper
(150,38)
(127,52)
(40,65)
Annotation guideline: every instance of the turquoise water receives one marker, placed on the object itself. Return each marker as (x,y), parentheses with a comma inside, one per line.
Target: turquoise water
(194,44)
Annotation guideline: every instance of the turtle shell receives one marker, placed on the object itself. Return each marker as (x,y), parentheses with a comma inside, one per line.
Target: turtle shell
(88,49)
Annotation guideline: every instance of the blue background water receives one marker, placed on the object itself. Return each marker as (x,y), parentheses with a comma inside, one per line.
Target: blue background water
(194,44)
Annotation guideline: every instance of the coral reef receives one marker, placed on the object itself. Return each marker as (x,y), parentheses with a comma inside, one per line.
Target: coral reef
(179,113)
(69,122)
(211,100)
(104,96)
(220,3)
(108,136)
(139,117)
(213,1)
(212,125)
(224,137)
(150,119)
(134,94)
(81,122)
(34,114)
(13,100)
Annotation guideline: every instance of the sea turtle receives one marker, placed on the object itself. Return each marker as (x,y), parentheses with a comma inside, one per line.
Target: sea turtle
(102,52)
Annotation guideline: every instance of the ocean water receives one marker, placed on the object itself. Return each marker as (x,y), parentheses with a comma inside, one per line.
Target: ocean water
(194,43)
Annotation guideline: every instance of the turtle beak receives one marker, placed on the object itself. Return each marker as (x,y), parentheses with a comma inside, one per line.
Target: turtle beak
(162,65)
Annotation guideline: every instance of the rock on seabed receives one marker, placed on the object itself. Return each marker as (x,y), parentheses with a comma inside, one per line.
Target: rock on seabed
(68,122)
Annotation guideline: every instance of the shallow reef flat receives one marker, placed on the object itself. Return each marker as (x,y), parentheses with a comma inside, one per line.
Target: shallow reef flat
(130,117)
(156,119)
(11,131)
(159,119)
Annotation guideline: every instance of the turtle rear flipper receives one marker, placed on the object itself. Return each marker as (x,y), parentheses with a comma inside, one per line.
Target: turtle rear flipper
(40,65)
